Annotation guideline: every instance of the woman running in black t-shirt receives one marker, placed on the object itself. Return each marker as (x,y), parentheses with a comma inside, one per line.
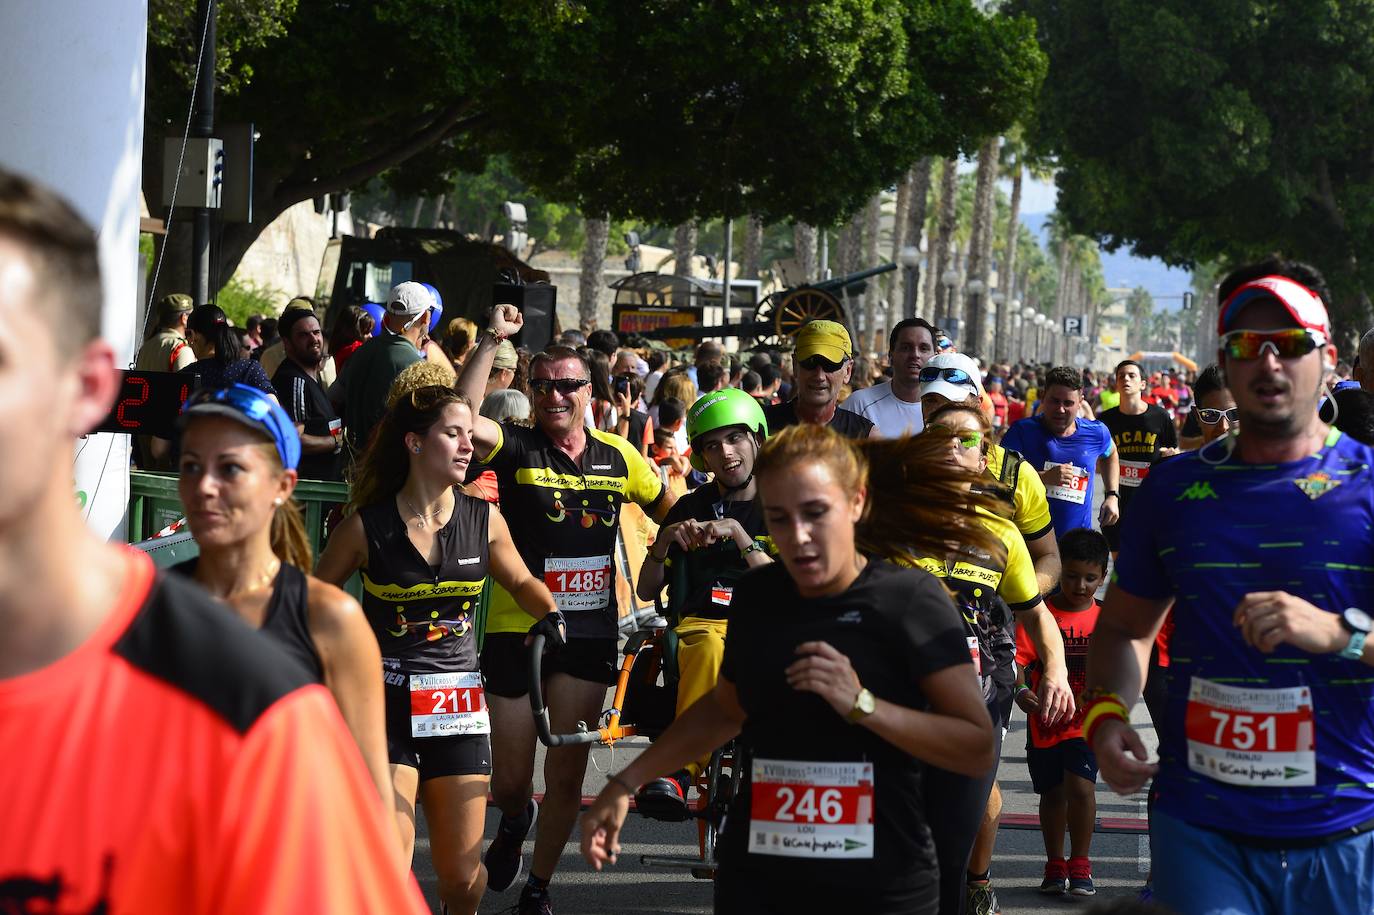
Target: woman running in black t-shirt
(424,550)
(843,675)
(239,451)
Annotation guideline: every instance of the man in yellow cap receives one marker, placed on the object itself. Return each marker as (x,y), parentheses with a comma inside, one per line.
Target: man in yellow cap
(824,360)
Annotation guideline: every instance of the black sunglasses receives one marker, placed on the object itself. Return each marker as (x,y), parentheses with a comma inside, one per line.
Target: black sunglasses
(820,362)
(952,375)
(542,386)
(1212,417)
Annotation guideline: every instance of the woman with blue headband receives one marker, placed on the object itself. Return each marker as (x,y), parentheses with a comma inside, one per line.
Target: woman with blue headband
(239,452)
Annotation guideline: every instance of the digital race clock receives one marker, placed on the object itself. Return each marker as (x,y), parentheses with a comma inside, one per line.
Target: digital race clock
(148,403)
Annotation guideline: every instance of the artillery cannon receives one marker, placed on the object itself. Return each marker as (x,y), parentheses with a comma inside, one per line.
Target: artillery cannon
(670,308)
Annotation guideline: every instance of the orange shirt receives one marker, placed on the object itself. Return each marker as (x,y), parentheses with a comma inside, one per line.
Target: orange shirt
(1076,626)
(178,762)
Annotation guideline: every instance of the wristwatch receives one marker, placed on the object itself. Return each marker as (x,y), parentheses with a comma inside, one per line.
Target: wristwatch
(864,705)
(1111,492)
(1358,624)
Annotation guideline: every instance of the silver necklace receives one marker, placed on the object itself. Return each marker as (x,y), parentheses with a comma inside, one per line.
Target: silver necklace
(422,517)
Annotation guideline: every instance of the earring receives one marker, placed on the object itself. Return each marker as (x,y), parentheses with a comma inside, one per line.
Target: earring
(417,449)
(277,502)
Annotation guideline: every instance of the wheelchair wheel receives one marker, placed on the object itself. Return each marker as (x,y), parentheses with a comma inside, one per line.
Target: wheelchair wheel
(723,776)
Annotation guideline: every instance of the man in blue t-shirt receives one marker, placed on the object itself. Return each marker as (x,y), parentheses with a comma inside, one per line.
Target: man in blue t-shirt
(1065,450)
(1262,543)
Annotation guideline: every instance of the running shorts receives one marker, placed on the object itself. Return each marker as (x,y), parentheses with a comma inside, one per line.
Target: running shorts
(1047,765)
(505,662)
(434,757)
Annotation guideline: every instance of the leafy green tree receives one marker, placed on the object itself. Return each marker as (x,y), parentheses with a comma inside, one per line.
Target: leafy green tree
(1197,130)
(663,110)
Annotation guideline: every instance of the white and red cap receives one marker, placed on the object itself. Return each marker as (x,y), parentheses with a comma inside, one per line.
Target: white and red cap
(1304,305)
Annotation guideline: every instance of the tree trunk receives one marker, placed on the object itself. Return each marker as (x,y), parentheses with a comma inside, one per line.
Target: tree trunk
(591,280)
(684,248)
(893,283)
(415,213)
(438,221)
(980,247)
(1007,272)
(803,252)
(949,186)
(872,298)
(849,246)
(918,207)
(753,247)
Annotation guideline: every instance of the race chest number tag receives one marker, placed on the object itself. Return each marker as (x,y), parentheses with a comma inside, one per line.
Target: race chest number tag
(448,705)
(579,584)
(1251,736)
(722,595)
(811,809)
(975,654)
(1076,490)
(1133,473)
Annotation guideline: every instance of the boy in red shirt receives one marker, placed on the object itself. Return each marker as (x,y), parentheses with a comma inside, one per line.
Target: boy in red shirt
(1062,767)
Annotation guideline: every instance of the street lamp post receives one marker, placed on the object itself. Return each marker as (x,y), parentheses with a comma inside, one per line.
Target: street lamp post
(910,259)
(949,279)
(1013,332)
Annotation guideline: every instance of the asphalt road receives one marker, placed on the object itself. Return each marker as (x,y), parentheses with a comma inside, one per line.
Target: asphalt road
(1120,859)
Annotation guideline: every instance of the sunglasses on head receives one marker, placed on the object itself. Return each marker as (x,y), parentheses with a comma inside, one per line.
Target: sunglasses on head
(566,386)
(820,362)
(248,401)
(954,376)
(1290,343)
(967,438)
(1212,417)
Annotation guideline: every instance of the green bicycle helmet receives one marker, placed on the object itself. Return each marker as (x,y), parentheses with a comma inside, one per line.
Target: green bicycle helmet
(718,410)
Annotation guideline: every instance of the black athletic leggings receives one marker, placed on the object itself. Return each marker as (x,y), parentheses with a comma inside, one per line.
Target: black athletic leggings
(955,805)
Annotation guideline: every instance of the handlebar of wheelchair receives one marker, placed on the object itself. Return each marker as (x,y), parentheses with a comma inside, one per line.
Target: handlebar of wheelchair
(541,711)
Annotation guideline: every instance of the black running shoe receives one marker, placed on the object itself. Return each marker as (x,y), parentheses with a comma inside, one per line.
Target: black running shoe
(534,902)
(664,798)
(503,858)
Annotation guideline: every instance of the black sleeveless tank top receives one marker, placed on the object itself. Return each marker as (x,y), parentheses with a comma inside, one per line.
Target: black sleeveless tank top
(285,620)
(424,616)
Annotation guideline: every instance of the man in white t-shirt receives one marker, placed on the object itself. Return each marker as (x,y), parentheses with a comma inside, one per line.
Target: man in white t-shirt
(895,406)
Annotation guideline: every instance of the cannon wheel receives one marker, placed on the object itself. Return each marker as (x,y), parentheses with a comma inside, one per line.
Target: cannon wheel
(789,310)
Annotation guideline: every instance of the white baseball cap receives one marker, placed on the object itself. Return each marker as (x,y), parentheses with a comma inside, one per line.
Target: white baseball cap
(409,300)
(951,375)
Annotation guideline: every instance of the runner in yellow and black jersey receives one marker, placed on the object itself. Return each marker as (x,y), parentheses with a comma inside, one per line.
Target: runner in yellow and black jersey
(562,485)
(989,588)
(953,378)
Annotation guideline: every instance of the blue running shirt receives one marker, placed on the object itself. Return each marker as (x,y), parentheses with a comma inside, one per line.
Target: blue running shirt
(1070,506)
(1266,745)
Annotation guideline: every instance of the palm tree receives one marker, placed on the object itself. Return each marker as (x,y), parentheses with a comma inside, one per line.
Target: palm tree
(949,188)
(590,281)
(980,244)
(872,221)
(914,224)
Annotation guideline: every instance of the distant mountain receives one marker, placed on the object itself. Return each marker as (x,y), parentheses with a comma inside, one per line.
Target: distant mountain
(1122,269)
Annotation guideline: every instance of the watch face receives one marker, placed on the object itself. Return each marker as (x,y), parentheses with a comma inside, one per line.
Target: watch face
(1358,619)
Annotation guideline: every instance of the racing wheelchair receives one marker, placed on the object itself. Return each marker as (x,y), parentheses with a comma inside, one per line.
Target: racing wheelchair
(643,704)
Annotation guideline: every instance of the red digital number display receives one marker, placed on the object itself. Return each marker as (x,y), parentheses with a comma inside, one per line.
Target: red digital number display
(127,403)
(148,403)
